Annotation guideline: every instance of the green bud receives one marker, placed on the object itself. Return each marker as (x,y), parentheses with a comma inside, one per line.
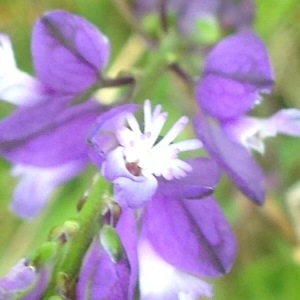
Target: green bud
(65,232)
(44,254)
(111,242)
(207,30)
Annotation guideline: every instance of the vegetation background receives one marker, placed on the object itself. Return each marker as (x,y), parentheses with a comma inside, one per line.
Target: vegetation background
(268,265)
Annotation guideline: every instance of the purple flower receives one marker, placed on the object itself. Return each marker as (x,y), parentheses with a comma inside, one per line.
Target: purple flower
(103,278)
(23,280)
(46,138)
(182,232)
(138,161)
(170,257)
(237,71)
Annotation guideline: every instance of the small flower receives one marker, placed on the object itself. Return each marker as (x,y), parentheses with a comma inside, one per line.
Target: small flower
(137,160)
(23,281)
(46,136)
(237,71)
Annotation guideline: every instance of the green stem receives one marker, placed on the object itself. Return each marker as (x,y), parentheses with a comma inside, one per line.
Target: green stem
(71,254)
(157,63)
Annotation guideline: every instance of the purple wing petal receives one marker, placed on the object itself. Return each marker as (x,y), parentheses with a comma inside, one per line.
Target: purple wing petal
(100,277)
(28,137)
(199,183)
(160,280)
(194,236)
(20,278)
(233,158)
(37,184)
(127,231)
(236,71)
(24,281)
(68,51)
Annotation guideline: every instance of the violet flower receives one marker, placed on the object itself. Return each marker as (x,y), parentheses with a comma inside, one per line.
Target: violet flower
(103,278)
(136,161)
(24,280)
(45,138)
(170,258)
(183,232)
(237,71)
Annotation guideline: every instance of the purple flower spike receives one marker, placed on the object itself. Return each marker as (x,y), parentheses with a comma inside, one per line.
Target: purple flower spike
(68,51)
(237,70)
(233,158)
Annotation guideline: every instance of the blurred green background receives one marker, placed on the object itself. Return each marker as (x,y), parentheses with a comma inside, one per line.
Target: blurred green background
(268,265)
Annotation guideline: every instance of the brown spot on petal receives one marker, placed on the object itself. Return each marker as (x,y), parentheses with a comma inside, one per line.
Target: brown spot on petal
(134,169)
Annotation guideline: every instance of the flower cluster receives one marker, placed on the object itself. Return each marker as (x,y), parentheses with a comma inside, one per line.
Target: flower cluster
(170,233)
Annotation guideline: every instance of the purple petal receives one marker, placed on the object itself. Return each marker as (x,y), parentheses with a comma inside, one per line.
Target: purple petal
(233,158)
(286,121)
(134,194)
(20,278)
(100,277)
(193,236)
(40,285)
(16,87)
(24,281)
(161,281)
(236,14)
(69,52)
(237,70)
(127,231)
(37,184)
(28,137)
(102,137)
(199,183)
(129,190)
